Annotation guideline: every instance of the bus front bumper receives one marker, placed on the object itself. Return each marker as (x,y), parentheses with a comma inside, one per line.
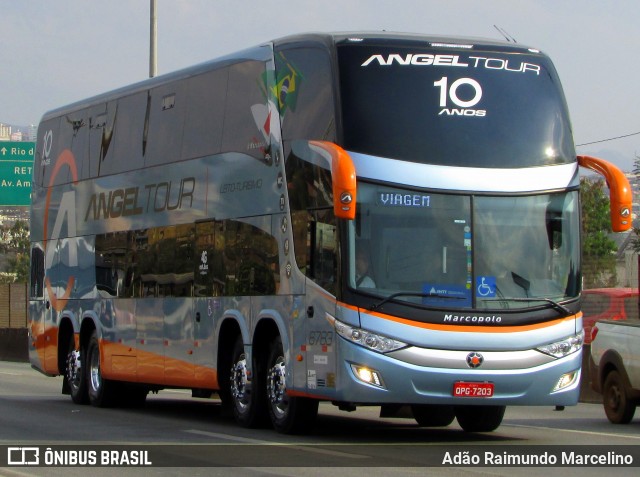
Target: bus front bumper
(367,377)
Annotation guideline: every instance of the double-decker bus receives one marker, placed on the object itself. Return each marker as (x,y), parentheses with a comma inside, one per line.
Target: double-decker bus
(364,219)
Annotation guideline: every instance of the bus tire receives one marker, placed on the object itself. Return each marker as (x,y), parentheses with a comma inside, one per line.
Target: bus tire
(289,414)
(75,375)
(247,399)
(479,418)
(433,415)
(102,392)
(618,406)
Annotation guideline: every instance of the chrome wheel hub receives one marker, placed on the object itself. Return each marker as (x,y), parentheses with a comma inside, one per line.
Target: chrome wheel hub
(239,382)
(94,372)
(276,387)
(74,368)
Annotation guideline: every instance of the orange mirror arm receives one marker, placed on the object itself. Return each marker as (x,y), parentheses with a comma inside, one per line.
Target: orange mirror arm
(620,195)
(343,175)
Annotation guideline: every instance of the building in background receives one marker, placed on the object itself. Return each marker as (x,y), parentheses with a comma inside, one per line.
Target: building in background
(9,132)
(5,132)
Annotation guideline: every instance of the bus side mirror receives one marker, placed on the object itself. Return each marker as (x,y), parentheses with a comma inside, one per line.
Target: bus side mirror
(620,195)
(343,177)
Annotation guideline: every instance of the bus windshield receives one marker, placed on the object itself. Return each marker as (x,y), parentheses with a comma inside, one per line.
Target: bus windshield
(453,106)
(462,251)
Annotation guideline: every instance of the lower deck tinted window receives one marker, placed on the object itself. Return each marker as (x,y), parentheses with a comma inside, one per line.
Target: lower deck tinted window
(223,258)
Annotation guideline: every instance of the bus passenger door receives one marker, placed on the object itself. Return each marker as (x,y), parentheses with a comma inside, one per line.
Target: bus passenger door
(36,306)
(52,289)
(322,272)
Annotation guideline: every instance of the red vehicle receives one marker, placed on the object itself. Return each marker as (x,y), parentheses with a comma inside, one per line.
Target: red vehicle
(607,304)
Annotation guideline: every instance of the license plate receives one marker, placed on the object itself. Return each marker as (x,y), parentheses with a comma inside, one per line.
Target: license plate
(464,389)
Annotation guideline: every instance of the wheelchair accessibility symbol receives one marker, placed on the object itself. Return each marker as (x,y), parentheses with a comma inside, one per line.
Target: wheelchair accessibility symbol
(486,287)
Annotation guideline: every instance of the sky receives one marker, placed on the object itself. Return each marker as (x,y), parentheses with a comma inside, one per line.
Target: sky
(55,52)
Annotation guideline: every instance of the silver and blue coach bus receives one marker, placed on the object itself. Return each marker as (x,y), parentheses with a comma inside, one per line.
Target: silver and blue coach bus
(365,219)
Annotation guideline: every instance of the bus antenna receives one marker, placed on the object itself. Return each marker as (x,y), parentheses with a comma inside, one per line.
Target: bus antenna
(506,36)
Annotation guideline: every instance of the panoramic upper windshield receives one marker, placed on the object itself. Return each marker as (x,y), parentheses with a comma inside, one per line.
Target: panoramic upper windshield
(453,106)
(459,251)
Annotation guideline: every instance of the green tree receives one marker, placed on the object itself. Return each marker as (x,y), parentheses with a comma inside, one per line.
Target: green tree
(635,243)
(636,165)
(14,244)
(598,250)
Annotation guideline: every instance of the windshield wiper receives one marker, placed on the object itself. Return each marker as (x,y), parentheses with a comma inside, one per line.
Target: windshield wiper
(554,304)
(422,295)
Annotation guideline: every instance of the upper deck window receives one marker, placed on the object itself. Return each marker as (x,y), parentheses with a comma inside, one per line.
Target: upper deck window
(453,106)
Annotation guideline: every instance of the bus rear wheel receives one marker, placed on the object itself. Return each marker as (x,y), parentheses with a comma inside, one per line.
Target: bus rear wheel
(246,397)
(75,375)
(479,418)
(101,391)
(289,415)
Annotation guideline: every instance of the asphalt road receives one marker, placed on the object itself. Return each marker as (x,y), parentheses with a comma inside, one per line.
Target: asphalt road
(189,436)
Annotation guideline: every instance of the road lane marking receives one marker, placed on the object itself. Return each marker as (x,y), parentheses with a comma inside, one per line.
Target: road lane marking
(305,447)
(574,431)
(244,440)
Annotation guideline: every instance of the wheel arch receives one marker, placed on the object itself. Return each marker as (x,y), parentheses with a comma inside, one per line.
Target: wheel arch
(269,325)
(67,327)
(228,332)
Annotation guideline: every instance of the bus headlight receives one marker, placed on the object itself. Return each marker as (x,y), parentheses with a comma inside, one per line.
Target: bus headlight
(373,341)
(564,347)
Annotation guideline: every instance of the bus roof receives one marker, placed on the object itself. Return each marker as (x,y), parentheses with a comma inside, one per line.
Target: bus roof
(260,53)
(391,37)
(263,53)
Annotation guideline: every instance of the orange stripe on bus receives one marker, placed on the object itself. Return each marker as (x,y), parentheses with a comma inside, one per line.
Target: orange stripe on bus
(157,368)
(293,393)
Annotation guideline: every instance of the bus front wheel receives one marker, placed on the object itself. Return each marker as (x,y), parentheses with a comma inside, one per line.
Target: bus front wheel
(479,418)
(433,415)
(289,414)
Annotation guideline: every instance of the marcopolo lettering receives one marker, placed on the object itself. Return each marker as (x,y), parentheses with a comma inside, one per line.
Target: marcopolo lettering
(139,200)
(449,318)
